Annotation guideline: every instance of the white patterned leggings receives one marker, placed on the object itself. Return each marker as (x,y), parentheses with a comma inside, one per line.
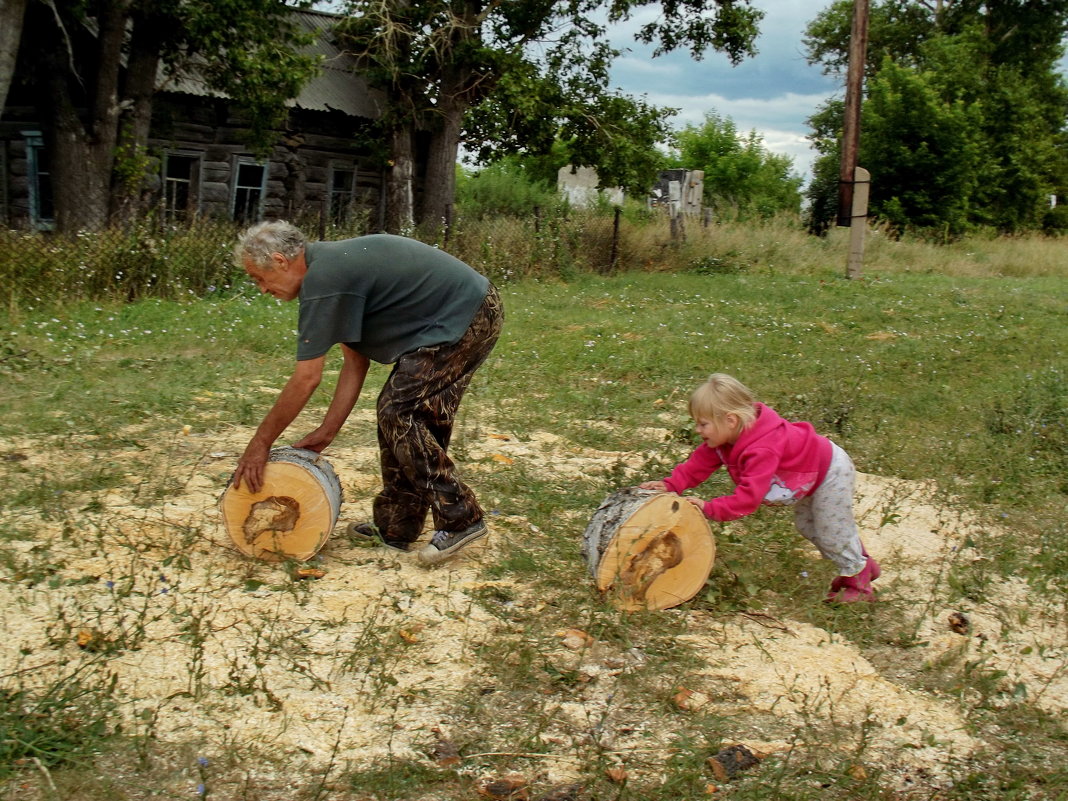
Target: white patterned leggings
(825,518)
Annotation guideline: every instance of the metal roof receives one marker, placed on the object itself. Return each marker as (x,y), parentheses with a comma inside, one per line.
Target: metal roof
(338,86)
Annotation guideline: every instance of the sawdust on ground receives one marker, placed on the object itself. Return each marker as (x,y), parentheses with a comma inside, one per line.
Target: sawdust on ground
(221,652)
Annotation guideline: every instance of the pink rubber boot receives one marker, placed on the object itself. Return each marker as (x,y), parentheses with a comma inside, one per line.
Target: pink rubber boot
(851,589)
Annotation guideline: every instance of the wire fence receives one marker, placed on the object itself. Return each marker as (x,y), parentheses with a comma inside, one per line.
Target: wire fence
(194,259)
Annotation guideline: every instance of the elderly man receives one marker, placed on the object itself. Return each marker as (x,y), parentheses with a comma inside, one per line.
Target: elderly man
(395,300)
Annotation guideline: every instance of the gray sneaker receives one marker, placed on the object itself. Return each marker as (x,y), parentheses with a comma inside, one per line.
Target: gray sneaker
(444,544)
(367,534)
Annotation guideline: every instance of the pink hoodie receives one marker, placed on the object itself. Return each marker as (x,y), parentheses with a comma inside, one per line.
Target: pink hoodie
(774,461)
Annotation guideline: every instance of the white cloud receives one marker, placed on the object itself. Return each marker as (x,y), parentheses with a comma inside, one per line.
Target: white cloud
(778,121)
(773,93)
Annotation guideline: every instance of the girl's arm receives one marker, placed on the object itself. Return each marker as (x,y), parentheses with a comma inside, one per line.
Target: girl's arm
(703,462)
(757,468)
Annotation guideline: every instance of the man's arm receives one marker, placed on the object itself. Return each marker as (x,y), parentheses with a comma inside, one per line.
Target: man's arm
(347,392)
(306,377)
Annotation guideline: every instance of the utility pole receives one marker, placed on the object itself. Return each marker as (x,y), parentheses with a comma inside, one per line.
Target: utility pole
(847,173)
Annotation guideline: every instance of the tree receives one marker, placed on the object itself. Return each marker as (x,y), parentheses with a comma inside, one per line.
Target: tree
(95,113)
(822,191)
(923,153)
(439,59)
(553,119)
(965,120)
(741,177)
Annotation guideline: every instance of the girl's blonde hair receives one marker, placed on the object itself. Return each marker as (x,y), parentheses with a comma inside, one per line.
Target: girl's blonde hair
(721,395)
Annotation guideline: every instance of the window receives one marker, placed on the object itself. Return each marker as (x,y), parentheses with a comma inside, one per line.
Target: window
(181,181)
(249,188)
(39,182)
(342,182)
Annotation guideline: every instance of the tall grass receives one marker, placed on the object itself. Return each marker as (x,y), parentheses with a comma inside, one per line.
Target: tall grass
(540,242)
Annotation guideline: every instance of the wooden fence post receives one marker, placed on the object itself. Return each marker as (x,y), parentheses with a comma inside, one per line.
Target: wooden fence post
(615,239)
(858,222)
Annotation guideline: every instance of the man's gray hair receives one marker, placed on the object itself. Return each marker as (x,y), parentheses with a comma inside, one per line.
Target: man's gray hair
(257,243)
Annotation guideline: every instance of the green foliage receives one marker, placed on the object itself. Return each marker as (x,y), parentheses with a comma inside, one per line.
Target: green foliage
(61,723)
(963,122)
(742,178)
(246,49)
(563,115)
(732,29)
(617,135)
(922,153)
(822,191)
(438,61)
(504,188)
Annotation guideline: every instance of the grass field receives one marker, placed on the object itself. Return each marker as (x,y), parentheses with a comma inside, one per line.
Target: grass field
(200,673)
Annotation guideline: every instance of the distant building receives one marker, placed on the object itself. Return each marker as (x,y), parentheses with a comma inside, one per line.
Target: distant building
(679,191)
(580,186)
(321,165)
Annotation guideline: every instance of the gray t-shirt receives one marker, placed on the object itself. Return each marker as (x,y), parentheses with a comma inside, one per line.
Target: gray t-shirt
(384,296)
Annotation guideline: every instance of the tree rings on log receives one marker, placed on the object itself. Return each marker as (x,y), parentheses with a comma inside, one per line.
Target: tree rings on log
(292,515)
(648,550)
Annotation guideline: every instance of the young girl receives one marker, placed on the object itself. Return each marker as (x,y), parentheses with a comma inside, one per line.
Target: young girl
(776,462)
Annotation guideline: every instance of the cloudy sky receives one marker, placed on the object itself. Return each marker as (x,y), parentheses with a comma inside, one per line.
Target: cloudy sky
(772,93)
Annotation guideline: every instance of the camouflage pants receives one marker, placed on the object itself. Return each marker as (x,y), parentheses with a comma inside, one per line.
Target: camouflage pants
(416,411)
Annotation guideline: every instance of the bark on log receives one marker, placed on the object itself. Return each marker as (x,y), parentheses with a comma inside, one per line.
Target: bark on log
(648,550)
(294,512)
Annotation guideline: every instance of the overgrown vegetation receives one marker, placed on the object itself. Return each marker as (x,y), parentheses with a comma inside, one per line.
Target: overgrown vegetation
(541,238)
(963,115)
(943,368)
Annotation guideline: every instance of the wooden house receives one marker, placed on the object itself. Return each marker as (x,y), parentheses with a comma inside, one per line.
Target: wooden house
(321,167)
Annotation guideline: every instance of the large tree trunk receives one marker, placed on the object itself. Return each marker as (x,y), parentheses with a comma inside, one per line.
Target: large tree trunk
(459,87)
(439,191)
(133,166)
(12,13)
(82,149)
(648,550)
(400,182)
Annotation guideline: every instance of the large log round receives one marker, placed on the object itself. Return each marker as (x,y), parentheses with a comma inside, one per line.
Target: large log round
(648,550)
(292,515)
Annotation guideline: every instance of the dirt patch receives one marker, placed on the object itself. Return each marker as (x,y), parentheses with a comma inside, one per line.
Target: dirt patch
(219,652)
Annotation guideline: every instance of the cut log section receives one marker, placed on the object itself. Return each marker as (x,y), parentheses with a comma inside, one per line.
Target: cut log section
(292,515)
(649,550)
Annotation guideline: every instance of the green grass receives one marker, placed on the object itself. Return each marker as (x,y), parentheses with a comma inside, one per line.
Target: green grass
(956,380)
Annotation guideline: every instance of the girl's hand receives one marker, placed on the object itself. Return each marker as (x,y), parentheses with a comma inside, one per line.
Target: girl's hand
(659,486)
(698,503)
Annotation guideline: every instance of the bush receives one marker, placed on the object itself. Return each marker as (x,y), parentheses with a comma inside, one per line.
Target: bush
(504,189)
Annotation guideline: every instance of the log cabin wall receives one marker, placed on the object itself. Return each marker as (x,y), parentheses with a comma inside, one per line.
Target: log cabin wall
(317,169)
(322,169)
(19,132)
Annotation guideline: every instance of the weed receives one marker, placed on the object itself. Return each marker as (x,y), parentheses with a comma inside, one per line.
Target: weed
(60,719)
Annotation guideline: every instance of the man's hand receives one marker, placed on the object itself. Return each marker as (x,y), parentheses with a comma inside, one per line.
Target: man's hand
(294,396)
(316,440)
(250,466)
